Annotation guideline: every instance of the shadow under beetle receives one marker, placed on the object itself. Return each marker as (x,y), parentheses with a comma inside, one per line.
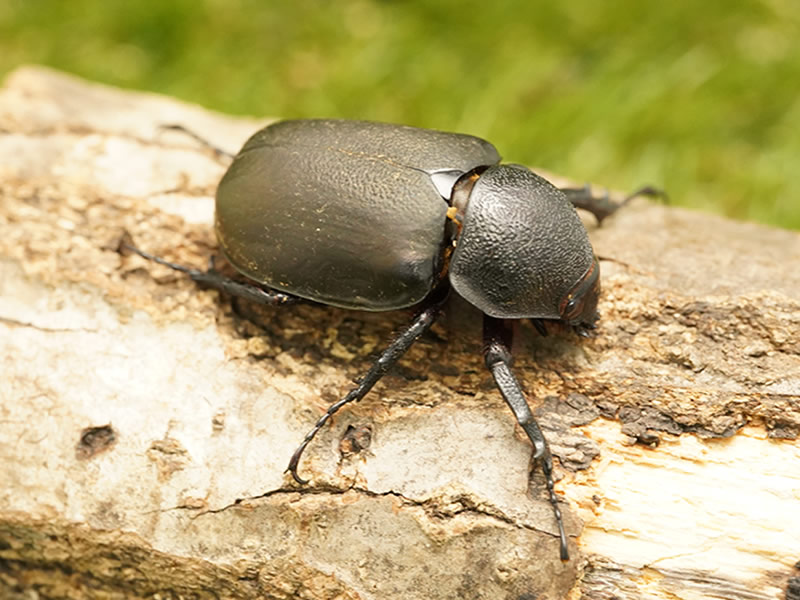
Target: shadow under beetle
(377,217)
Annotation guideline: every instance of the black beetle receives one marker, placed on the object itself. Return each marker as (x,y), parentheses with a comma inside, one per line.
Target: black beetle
(378,217)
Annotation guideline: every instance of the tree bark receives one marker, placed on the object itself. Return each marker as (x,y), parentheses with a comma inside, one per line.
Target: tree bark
(146,424)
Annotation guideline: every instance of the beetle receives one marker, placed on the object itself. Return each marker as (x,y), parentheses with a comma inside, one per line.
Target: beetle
(377,217)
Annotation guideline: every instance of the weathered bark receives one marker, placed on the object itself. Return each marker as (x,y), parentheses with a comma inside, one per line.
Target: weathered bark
(145,426)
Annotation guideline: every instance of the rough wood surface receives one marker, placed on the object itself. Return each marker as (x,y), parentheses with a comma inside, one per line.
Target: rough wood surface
(145,425)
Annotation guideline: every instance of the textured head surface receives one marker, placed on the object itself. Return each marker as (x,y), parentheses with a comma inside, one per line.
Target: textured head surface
(522,247)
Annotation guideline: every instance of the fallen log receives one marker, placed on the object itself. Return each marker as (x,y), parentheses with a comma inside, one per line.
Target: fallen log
(146,424)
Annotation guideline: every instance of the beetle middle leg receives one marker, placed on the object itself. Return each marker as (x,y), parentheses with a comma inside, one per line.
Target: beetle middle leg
(421,323)
(603,206)
(497,354)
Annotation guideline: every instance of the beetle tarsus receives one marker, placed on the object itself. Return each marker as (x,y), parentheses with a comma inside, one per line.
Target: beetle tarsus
(385,361)
(497,340)
(196,137)
(649,191)
(214,279)
(603,206)
(151,257)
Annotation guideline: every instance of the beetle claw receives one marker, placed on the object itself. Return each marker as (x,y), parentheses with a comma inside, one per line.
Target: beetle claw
(585,330)
(292,468)
(649,191)
(538,324)
(297,478)
(295,460)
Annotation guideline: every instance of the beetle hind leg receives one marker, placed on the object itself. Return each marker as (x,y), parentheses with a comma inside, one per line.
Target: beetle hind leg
(216,280)
(385,361)
(198,138)
(603,206)
(497,354)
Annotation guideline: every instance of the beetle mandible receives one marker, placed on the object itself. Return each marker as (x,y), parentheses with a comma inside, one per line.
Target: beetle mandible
(377,217)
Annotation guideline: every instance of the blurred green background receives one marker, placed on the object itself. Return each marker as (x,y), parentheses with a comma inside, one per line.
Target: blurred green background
(701,98)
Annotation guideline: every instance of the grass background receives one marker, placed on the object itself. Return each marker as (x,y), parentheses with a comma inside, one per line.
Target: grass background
(701,98)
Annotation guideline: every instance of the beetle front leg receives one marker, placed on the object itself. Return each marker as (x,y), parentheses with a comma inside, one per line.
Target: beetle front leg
(213,279)
(497,354)
(386,360)
(603,206)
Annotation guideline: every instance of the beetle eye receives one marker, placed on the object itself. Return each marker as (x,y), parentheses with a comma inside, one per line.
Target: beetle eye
(580,303)
(577,308)
(569,309)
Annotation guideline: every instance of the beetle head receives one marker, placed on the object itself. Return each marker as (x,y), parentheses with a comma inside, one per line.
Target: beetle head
(522,251)
(579,306)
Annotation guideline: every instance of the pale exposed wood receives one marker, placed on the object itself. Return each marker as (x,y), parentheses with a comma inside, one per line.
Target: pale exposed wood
(145,427)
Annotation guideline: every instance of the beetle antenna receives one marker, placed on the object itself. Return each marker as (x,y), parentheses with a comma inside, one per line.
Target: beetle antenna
(497,341)
(385,361)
